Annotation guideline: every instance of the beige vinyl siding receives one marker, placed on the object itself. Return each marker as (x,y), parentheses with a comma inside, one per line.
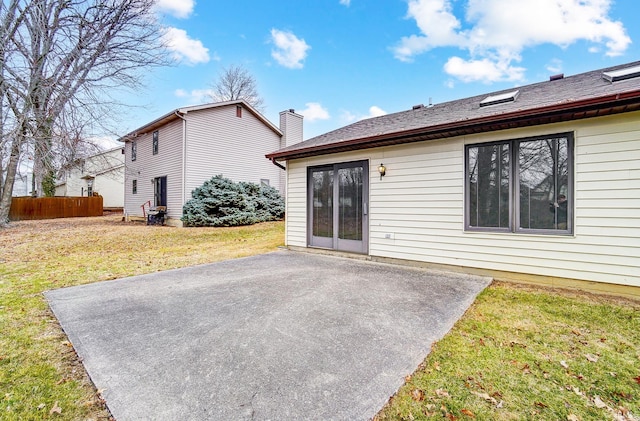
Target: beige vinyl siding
(218,142)
(420,204)
(168,162)
(109,186)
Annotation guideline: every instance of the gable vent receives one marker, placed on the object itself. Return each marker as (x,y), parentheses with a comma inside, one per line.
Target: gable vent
(622,74)
(499,99)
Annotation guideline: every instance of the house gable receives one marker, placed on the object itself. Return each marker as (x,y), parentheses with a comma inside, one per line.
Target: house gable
(221,142)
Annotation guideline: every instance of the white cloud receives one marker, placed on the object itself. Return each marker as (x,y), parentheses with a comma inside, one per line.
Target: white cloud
(290,50)
(347,116)
(314,111)
(345,2)
(178,8)
(495,32)
(195,96)
(374,111)
(554,66)
(484,70)
(184,48)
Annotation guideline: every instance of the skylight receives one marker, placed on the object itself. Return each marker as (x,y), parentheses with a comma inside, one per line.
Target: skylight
(499,99)
(627,73)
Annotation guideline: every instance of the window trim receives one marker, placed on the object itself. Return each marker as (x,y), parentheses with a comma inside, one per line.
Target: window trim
(155,140)
(514,187)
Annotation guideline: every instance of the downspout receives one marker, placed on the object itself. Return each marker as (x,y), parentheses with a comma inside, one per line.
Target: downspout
(277,164)
(184,154)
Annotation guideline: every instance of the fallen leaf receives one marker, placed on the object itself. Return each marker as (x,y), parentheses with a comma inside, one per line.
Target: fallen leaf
(572,417)
(56,409)
(417,395)
(637,379)
(592,358)
(451,417)
(541,405)
(577,391)
(407,378)
(468,413)
(627,396)
(41,406)
(564,364)
(499,404)
(598,402)
(436,365)
(442,393)
(576,332)
(486,397)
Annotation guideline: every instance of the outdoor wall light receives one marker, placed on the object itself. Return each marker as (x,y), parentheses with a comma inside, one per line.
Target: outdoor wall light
(382,170)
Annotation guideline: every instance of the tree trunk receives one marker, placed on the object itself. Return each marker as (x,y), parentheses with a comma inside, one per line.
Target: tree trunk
(7,188)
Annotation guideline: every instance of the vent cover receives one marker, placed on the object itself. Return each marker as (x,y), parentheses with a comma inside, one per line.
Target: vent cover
(622,74)
(499,99)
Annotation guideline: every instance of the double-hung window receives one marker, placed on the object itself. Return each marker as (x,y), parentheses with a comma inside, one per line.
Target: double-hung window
(134,150)
(521,185)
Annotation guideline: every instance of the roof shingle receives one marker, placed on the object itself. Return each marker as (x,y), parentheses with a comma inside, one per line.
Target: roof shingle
(583,95)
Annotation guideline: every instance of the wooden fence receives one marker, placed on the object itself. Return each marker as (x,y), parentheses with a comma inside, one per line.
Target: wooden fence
(23,208)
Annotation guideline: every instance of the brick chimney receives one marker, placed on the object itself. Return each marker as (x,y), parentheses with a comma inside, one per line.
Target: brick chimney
(291,126)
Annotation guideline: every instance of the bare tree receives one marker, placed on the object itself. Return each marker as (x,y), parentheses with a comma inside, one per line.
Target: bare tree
(63,58)
(235,82)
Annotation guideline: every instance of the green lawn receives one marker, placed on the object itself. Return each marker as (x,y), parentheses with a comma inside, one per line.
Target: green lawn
(518,353)
(525,353)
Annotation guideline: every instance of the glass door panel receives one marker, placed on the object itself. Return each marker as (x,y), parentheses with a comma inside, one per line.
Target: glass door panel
(343,226)
(322,207)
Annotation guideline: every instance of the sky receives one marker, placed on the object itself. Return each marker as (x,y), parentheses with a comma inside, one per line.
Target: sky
(339,61)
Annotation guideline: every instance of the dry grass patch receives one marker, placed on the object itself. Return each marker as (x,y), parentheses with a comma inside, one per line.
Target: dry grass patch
(40,375)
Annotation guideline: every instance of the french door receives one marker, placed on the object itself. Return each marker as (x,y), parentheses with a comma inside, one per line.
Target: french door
(338,199)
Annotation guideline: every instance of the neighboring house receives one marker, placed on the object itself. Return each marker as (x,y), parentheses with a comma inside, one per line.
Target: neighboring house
(166,159)
(102,174)
(22,185)
(539,183)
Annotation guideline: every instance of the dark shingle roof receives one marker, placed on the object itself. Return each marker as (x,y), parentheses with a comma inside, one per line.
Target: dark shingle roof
(581,96)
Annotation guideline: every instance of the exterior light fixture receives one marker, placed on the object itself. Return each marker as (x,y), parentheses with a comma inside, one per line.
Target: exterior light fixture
(382,170)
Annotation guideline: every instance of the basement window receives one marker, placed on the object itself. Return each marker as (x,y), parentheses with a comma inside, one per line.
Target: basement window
(499,99)
(622,74)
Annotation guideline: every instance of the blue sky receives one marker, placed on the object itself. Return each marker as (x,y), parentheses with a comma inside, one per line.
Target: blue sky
(337,61)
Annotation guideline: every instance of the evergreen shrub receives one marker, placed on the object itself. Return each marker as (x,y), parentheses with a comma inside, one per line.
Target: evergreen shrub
(220,202)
